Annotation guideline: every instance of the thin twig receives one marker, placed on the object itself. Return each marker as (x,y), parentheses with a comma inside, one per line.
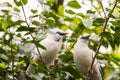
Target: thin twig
(33,37)
(68,50)
(26,21)
(12,55)
(101,39)
(103,10)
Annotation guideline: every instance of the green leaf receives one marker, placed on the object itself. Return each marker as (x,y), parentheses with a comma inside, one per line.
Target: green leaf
(117,30)
(115,23)
(68,19)
(71,70)
(18,22)
(36,23)
(41,69)
(2,65)
(45,12)
(4,24)
(112,44)
(8,4)
(116,13)
(51,1)
(54,16)
(70,11)
(91,12)
(97,30)
(16,9)
(50,22)
(81,14)
(117,41)
(105,43)
(18,3)
(41,46)
(112,58)
(74,4)
(106,34)
(1,29)
(66,57)
(108,39)
(2,50)
(21,2)
(25,2)
(33,11)
(61,10)
(52,19)
(36,42)
(24,28)
(21,62)
(5,11)
(98,22)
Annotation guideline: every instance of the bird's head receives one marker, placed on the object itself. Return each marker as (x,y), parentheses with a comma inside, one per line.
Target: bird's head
(56,33)
(83,40)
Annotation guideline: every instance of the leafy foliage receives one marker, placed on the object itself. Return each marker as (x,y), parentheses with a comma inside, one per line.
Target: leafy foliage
(20,34)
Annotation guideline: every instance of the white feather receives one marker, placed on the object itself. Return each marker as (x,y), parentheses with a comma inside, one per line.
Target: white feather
(83,57)
(52,43)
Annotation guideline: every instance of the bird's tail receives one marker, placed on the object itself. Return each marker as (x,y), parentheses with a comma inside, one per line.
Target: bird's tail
(30,68)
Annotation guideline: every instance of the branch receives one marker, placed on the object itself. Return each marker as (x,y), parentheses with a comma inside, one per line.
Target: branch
(103,10)
(68,50)
(12,56)
(33,37)
(101,39)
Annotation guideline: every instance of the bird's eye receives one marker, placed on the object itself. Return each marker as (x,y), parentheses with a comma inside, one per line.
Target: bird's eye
(82,37)
(58,32)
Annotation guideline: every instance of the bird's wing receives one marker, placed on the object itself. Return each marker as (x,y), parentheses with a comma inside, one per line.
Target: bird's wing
(97,72)
(101,72)
(49,54)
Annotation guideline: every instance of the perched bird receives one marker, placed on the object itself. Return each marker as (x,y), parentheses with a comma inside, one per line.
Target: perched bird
(83,57)
(52,43)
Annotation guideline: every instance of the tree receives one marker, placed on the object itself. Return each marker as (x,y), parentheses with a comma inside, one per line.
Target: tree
(18,36)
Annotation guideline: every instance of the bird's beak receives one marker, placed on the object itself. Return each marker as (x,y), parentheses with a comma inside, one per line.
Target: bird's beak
(86,37)
(64,33)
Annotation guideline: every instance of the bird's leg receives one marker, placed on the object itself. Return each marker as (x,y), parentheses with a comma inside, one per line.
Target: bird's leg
(55,65)
(90,72)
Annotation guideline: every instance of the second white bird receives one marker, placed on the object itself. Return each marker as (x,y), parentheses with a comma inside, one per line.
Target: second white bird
(83,57)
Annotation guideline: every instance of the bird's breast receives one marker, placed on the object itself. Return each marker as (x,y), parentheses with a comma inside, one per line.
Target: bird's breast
(82,58)
(51,51)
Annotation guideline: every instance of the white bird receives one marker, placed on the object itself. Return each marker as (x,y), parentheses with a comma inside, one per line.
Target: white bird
(52,43)
(83,57)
